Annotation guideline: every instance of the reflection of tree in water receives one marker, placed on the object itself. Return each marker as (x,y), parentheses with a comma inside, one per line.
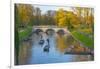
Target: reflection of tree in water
(61,44)
(67,44)
(78,47)
(69,40)
(82,58)
(24,52)
(64,42)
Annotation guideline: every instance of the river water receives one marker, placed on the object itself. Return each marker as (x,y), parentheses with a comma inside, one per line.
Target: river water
(31,52)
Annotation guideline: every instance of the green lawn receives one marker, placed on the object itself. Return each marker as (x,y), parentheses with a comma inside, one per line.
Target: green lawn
(89,42)
(24,33)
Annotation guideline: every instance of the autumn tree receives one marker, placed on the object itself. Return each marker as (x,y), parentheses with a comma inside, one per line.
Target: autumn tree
(88,16)
(79,12)
(85,15)
(72,20)
(61,17)
(25,12)
(67,18)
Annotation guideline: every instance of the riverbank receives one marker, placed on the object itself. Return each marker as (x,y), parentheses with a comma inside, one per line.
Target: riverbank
(87,41)
(24,33)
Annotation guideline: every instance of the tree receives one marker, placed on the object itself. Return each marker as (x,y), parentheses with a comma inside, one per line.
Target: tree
(16,36)
(73,20)
(79,11)
(67,18)
(37,15)
(61,17)
(88,16)
(85,15)
(50,17)
(25,12)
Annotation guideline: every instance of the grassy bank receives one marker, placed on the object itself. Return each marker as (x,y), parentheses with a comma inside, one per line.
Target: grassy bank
(24,33)
(84,39)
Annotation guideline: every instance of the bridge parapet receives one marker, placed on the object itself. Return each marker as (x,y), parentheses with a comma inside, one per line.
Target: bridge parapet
(55,28)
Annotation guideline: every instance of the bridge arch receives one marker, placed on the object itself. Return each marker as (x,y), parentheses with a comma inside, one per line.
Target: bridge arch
(50,31)
(61,32)
(37,31)
(53,29)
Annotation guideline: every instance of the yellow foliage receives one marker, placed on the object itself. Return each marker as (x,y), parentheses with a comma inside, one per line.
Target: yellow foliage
(61,17)
(61,44)
(64,17)
(25,12)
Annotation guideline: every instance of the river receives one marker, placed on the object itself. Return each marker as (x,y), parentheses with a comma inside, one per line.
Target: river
(31,52)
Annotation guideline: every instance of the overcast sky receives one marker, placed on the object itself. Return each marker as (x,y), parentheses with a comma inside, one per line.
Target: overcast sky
(45,8)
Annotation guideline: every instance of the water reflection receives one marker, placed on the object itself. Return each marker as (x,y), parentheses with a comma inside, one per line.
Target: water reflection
(51,48)
(24,52)
(61,43)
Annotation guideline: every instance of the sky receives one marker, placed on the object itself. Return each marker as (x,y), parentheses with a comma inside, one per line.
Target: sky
(45,8)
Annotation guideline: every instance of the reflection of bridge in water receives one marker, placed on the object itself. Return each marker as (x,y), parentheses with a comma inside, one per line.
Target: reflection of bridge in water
(55,29)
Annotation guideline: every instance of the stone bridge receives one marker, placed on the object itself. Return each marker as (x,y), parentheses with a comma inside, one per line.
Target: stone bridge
(53,28)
